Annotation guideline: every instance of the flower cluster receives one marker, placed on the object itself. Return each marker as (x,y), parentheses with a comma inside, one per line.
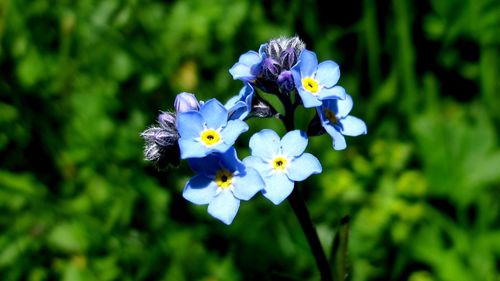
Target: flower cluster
(204,133)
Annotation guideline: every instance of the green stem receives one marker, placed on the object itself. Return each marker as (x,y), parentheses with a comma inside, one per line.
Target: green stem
(300,209)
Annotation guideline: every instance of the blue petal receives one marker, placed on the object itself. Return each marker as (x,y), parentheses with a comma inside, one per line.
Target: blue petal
(308,99)
(241,72)
(294,143)
(191,148)
(250,58)
(214,113)
(262,167)
(353,126)
(189,124)
(200,190)
(246,185)
(206,166)
(308,63)
(224,206)
(229,160)
(233,129)
(265,144)
(337,92)
(328,73)
(278,187)
(303,166)
(338,139)
(344,106)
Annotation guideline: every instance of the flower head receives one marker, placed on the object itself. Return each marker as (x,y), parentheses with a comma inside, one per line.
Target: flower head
(316,82)
(248,66)
(241,105)
(335,118)
(161,146)
(221,182)
(281,162)
(186,102)
(207,131)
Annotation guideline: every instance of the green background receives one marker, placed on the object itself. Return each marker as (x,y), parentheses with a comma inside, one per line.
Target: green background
(79,81)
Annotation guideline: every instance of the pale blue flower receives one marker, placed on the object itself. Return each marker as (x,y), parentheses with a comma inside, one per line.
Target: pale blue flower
(281,162)
(249,65)
(207,131)
(315,82)
(241,105)
(221,182)
(335,118)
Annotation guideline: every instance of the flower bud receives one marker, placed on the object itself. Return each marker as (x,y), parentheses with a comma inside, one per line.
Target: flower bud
(270,68)
(186,102)
(285,81)
(166,120)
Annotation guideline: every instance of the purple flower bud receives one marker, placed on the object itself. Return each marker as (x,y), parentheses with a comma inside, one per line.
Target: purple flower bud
(288,58)
(186,102)
(285,81)
(270,68)
(167,120)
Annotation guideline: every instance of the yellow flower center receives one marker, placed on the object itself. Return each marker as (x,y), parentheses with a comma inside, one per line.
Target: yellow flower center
(310,85)
(279,163)
(223,178)
(330,115)
(210,137)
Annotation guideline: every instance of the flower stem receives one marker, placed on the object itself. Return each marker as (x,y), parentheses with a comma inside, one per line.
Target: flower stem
(300,209)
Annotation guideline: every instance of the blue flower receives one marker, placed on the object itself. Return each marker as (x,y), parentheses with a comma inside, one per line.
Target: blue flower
(221,182)
(249,65)
(281,162)
(207,131)
(335,118)
(241,105)
(316,82)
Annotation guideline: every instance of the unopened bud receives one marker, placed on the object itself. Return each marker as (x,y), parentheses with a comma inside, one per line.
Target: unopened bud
(186,102)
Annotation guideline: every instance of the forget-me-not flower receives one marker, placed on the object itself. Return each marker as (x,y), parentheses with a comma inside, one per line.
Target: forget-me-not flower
(241,105)
(316,82)
(335,118)
(249,65)
(207,130)
(221,182)
(281,162)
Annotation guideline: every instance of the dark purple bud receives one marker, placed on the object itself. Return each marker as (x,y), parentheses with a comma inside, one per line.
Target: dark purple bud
(288,58)
(186,102)
(270,68)
(285,81)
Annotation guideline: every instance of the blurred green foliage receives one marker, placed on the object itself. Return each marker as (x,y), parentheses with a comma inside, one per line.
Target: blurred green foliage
(81,79)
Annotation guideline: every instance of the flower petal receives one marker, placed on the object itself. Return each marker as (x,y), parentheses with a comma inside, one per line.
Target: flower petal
(254,162)
(328,73)
(248,184)
(233,129)
(336,92)
(338,139)
(294,143)
(353,126)
(344,106)
(224,206)
(242,72)
(265,144)
(308,63)
(191,148)
(278,187)
(189,124)
(214,113)
(206,166)
(200,190)
(303,166)
(308,99)
(228,160)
